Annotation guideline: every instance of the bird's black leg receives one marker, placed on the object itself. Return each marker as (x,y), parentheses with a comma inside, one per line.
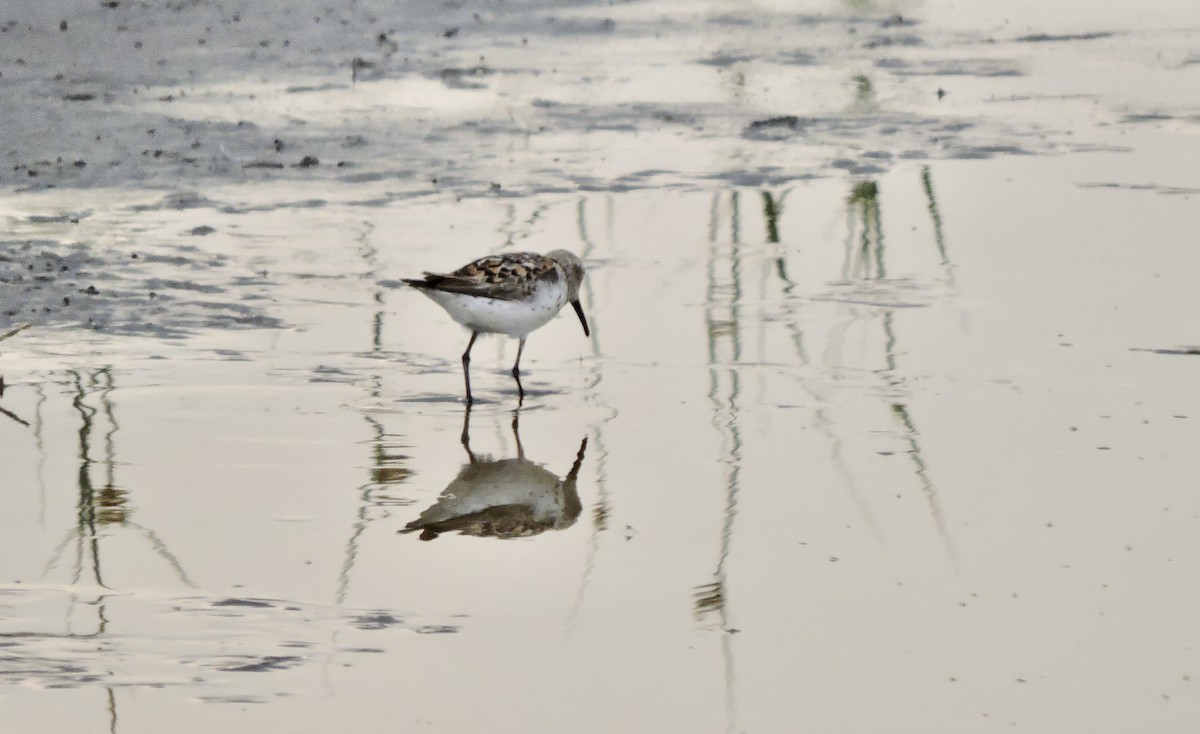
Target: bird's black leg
(517,434)
(516,372)
(465,438)
(466,360)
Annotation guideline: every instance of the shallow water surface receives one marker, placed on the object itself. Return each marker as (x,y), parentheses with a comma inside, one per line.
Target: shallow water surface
(886,420)
(837,449)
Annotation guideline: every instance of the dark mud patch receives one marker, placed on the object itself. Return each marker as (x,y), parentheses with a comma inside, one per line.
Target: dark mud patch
(1062,37)
(725,60)
(67,218)
(250,603)
(184,108)
(262,665)
(1155,117)
(722,60)
(979,152)
(178,201)
(1173,351)
(438,399)
(167,295)
(766,176)
(891,136)
(888,41)
(771,128)
(966,67)
(190,634)
(17,668)
(376,621)
(1153,188)
(468,78)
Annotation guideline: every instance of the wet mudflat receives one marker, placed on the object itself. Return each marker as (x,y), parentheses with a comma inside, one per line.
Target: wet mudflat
(886,421)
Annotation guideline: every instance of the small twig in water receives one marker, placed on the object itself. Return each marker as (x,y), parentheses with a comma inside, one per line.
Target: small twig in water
(15,331)
(15,417)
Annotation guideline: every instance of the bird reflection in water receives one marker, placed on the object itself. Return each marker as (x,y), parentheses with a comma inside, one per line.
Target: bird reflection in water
(505,498)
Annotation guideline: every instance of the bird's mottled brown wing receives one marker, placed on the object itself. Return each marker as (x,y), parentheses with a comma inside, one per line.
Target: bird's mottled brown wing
(508,277)
(499,521)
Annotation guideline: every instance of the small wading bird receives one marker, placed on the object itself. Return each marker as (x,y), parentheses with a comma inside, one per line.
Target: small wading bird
(514,294)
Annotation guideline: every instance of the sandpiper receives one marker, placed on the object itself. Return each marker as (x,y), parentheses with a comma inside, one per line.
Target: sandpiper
(513,293)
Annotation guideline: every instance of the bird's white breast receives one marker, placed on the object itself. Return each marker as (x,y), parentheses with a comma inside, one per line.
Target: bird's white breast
(497,316)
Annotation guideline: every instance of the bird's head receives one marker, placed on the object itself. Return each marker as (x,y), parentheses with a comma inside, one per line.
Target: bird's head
(573,268)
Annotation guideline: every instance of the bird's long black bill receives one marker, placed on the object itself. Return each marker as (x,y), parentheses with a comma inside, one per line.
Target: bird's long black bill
(582,319)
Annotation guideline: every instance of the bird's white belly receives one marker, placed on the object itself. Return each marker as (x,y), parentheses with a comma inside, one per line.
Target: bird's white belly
(496,316)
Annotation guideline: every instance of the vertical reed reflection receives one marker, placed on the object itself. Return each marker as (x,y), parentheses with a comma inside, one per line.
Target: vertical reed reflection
(515,230)
(106,504)
(39,434)
(823,419)
(867,263)
(602,509)
(111,499)
(97,505)
(112,709)
(722,314)
(387,466)
(939,238)
(86,504)
(771,211)
(865,101)
(862,269)
(922,473)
